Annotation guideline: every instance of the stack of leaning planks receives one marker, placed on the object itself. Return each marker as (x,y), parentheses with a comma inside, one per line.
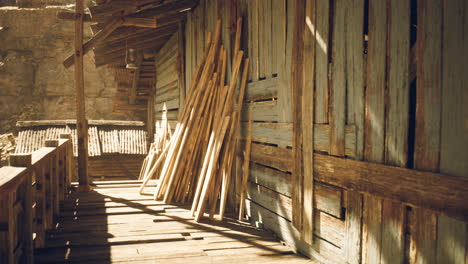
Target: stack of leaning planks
(198,159)
(161,139)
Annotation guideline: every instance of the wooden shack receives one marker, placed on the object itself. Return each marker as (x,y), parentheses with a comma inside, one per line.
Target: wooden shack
(116,148)
(352,132)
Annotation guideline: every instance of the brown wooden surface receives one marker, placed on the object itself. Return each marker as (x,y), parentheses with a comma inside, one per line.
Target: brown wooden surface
(82,123)
(115,225)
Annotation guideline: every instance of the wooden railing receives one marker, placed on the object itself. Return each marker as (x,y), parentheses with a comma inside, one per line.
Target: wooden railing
(31,191)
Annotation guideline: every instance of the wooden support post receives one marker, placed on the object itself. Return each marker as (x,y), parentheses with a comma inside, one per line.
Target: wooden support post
(69,162)
(136,79)
(25,160)
(81,122)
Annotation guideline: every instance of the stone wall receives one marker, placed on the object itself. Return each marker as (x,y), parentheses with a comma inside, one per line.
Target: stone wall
(33,82)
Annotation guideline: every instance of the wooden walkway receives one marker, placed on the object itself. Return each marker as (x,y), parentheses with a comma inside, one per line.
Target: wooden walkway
(114,224)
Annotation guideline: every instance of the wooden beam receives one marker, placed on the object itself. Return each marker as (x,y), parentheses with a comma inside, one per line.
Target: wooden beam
(82,123)
(140,22)
(442,193)
(66,15)
(115,23)
(136,79)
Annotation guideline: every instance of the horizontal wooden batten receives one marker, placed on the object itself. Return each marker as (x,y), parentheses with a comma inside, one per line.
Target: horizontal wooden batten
(327,226)
(262,111)
(172,104)
(262,89)
(66,15)
(281,134)
(327,198)
(442,193)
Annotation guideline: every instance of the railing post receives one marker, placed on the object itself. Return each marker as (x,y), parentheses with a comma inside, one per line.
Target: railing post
(26,194)
(54,177)
(69,171)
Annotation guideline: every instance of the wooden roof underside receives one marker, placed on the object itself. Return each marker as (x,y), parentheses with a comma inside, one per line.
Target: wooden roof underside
(144,25)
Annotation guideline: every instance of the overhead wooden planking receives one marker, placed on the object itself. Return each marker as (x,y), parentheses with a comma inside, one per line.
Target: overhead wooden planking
(111,26)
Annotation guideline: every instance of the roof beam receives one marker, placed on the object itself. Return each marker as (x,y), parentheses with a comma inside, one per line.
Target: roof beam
(67,15)
(136,78)
(115,23)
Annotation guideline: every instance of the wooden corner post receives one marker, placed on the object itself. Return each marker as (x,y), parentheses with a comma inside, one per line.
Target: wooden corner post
(81,122)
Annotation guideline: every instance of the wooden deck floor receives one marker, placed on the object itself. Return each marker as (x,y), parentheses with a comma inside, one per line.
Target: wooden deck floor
(113,224)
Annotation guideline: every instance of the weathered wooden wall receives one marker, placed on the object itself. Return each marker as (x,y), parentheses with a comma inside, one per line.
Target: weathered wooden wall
(170,88)
(389,88)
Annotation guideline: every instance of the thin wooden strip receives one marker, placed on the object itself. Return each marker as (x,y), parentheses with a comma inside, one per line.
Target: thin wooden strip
(321,54)
(308,124)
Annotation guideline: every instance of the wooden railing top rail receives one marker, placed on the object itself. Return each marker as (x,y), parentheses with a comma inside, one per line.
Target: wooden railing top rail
(10,178)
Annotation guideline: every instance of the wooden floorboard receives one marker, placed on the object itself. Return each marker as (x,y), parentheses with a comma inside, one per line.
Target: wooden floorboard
(114,224)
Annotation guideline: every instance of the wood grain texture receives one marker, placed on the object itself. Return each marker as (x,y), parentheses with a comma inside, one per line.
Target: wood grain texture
(397,105)
(337,105)
(423,223)
(81,122)
(440,192)
(297,88)
(321,55)
(451,233)
(355,71)
(307,110)
(352,240)
(374,123)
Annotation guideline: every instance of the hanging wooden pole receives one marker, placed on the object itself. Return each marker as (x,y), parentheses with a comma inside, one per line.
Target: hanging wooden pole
(81,122)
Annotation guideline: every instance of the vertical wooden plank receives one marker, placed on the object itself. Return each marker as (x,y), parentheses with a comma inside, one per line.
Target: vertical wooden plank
(396,124)
(308,124)
(267,39)
(276,35)
(393,232)
(284,90)
(250,7)
(255,36)
(181,65)
(354,38)
(262,45)
(338,81)
(396,128)
(375,114)
(352,245)
(355,70)
(81,122)
(451,233)
(371,230)
(374,126)
(187,46)
(321,54)
(297,90)
(423,223)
